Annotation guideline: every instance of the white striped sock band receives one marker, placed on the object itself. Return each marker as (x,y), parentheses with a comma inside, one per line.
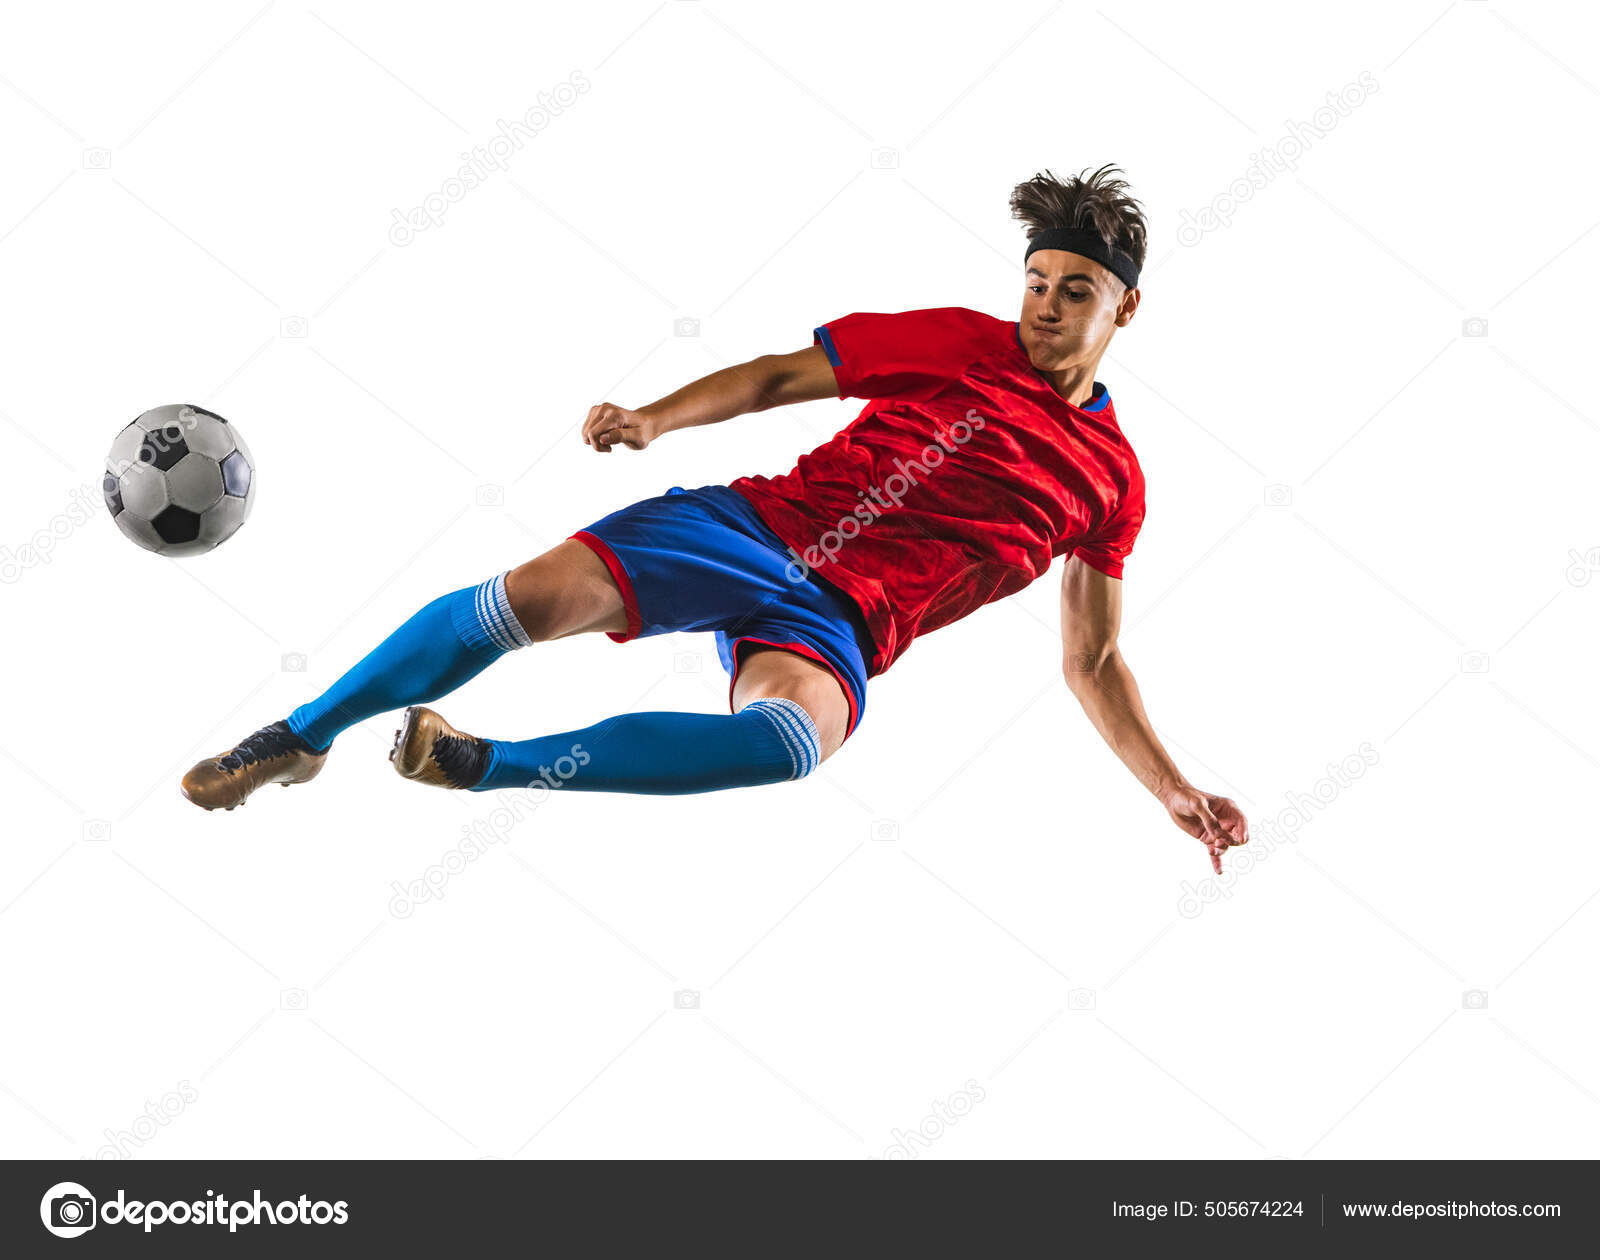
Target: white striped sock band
(495,617)
(797,731)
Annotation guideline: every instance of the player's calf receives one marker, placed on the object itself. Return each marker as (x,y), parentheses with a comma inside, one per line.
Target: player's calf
(661,754)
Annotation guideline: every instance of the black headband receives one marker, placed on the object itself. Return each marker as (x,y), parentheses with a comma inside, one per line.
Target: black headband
(1090,245)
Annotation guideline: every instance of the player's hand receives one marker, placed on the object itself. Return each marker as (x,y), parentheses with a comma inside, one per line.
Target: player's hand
(1215,821)
(609,425)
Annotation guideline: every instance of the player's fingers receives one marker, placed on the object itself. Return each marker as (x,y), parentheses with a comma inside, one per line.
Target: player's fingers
(1213,829)
(600,417)
(1231,819)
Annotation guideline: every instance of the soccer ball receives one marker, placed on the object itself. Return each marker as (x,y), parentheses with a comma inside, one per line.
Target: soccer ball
(179,480)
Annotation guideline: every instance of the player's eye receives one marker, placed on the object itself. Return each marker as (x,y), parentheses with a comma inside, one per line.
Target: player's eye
(1079,295)
(1036,288)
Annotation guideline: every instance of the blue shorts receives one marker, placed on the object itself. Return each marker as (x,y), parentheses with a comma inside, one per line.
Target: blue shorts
(705,560)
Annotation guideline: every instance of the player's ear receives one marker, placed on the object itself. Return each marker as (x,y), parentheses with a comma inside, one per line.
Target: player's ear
(1128,305)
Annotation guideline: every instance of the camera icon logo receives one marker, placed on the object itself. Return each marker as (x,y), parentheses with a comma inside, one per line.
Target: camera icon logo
(1475,1000)
(1278,496)
(96,829)
(294,999)
(885,159)
(1474,662)
(686,663)
(294,662)
(1080,1000)
(686,327)
(1475,326)
(885,829)
(67,1209)
(97,159)
(686,1000)
(491,496)
(294,326)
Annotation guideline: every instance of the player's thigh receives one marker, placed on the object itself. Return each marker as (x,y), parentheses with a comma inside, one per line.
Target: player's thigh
(568,590)
(777,673)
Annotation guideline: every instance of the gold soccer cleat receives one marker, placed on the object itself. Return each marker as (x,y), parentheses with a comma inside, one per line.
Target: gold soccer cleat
(427,749)
(274,754)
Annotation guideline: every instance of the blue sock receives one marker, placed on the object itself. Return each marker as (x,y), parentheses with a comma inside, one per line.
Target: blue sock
(451,640)
(664,754)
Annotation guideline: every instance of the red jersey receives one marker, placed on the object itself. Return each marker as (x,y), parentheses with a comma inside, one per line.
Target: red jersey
(963,477)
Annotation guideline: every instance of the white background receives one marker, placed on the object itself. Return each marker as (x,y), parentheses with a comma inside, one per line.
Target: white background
(1366,530)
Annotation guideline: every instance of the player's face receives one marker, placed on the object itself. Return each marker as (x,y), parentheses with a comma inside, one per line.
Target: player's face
(1070,308)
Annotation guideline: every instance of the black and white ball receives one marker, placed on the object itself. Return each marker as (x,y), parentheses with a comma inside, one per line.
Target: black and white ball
(179,480)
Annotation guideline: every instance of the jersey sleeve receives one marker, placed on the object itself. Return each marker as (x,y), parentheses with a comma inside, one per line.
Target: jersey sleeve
(911,355)
(1108,547)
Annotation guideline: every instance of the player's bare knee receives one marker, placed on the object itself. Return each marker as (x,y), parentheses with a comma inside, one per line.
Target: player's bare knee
(567,590)
(795,744)
(531,601)
(831,715)
(828,720)
(778,674)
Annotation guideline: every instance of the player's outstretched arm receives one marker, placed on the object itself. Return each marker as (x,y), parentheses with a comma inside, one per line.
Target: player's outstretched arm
(1091,613)
(773,380)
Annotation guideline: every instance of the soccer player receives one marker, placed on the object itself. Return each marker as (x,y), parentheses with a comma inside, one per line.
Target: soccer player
(986,449)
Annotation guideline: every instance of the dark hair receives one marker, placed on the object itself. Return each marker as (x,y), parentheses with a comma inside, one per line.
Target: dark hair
(1096,200)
